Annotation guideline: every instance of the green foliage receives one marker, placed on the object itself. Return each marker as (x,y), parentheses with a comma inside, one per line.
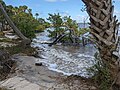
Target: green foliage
(3,88)
(57,23)
(36,14)
(23,18)
(71,25)
(1,33)
(56,20)
(47,24)
(5,40)
(65,25)
(40,28)
(26,23)
(56,32)
(42,25)
(83,31)
(101,72)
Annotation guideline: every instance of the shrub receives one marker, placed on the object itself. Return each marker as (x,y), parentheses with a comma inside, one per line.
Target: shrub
(101,72)
(26,23)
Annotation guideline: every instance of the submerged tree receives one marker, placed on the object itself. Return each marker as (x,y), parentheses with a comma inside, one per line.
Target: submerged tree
(56,22)
(66,30)
(104,30)
(73,28)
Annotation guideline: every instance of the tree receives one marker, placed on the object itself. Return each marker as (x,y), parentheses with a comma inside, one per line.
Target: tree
(57,23)
(72,26)
(2,20)
(104,31)
(25,39)
(65,30)
(22,8)
(36,14)
(26,24)
(9,10)
(41,20)
(42,25)
(55,20)
(30,12)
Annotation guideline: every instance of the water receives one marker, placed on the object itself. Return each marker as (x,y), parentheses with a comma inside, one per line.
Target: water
(65,59)
(83,25)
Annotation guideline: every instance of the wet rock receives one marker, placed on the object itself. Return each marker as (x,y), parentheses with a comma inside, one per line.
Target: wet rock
(35,54)
(38,64)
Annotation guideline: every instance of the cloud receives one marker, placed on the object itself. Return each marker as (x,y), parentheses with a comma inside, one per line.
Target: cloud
(55,0)
(81,18)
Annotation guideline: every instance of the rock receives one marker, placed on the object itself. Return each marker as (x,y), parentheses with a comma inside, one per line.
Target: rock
(93,88)
(76,82)
(19,83)
(38,64)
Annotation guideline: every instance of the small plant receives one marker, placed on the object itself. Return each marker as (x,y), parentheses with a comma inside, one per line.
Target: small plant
(84,30)
(101,72)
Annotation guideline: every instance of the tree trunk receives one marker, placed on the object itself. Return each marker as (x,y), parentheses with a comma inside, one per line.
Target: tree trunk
(16,30)
(103,28)
(58,39)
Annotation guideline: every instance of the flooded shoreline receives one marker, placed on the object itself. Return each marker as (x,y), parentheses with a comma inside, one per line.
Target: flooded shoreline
(69,60)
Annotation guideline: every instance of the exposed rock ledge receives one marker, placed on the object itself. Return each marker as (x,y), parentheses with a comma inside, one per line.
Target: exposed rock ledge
(27,76)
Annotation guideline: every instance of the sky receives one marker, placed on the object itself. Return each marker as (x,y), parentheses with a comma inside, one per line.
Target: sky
(64,7)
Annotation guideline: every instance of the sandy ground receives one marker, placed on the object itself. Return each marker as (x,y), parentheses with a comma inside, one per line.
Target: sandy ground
(28,76)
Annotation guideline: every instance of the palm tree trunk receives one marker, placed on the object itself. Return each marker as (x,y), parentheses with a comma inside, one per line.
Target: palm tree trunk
(104,31)
(16,30)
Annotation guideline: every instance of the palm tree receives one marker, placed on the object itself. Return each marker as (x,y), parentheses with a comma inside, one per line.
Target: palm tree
(36,14)
(15,10)
(24,8)
(9,9)
(104,31)
(26,41)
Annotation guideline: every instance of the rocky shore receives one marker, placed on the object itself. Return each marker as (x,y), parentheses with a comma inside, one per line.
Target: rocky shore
(20,72)
(28,76)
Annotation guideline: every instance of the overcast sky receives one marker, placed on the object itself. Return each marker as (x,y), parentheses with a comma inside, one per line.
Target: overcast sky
(64,7)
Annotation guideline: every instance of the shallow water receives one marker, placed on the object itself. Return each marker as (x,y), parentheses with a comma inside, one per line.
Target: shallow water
(65,59)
